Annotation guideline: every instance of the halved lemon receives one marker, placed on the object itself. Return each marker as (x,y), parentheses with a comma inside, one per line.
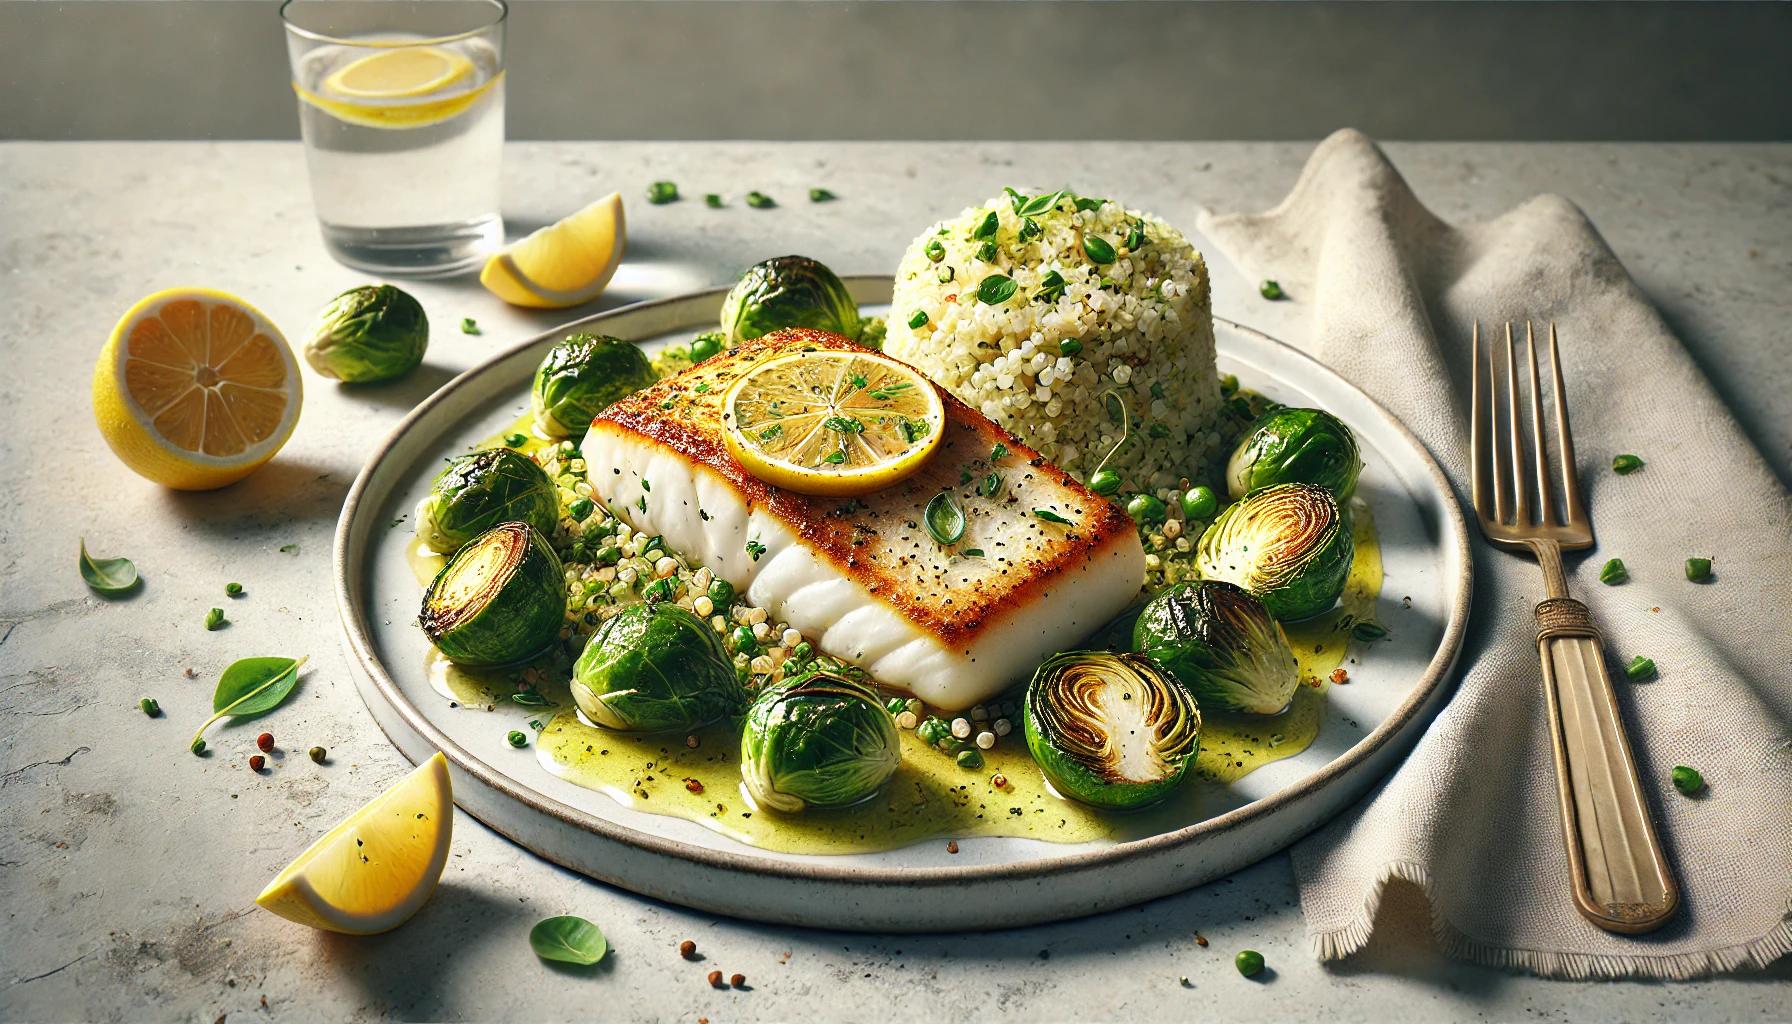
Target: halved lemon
(400,87)
(195,388)
(373,871)
(832,422)
(563,264)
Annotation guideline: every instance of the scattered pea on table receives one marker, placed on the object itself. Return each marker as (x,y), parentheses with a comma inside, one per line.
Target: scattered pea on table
(517,739)
(1614,573)
(1624,465)
(1687,780)
(1249,962)
(1271,291)
(1640,668)
(1698,569)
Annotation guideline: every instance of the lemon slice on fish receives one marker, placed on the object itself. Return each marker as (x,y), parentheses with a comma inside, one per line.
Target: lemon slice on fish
(371,873)
(831,422)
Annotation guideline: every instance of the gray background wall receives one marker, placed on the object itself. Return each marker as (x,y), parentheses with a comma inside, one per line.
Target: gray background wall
(973,69)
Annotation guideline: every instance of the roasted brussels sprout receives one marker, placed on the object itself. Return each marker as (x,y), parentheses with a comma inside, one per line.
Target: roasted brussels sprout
(374,332)
(499,600)
(1220,643)
(476,492)
(1295,446)
(581,376)
(653,667)
(790,291)
(1112,730)
(817,739)
(1288,544)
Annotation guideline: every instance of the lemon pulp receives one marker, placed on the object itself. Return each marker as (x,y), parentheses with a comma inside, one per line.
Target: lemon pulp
(834,423)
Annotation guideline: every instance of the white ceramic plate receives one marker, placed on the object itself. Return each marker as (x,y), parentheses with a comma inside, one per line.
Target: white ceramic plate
(994,882)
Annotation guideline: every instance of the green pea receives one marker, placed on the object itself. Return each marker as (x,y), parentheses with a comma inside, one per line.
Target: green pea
(802,652)
(760,201)
(233,589)
(1146,509)
(742,640)
(935,251)
(660,590)
(517,739)
(1640,668)
(1698,569)
(721,593)
(609,554)
(661,192)
(1069,347)
(1249,962)
(1613,573)
(713,201)
(150,706)
(215,619)
(820,195)
(515,440)
(1271,291)
(704,346)
(1687,780)
(581,509)
(1105,482)
(933,730)
(1624,465)
(971,759)
(1228,383)
(917,320)
(1200,503)
(896,705)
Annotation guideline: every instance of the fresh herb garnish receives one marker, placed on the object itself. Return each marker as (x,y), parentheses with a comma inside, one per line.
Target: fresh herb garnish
(661,192)
(215,619)
(1687,780)
(913,430)
(1613,573)
(945,520)
(1040,204)
(468,325)
(834,458)
(233,590)
(571,940)
(1085,205)
(843,425)
(1051,287)
(888,391)
(760,201)
(107,575)
(821,195)
(973,552)
(291,549)
(1029,230)
(991,484)
(1098,249)
(1271,290)
(1052,517)
(999,452)
(249,687)
(935,251)
(986,228)
(581,509)
(713,201)
(1135,237)
(917,320)
(1640,667)
(531,699)
(1624,465)
(987,252)
(772,431)
(946,275)
(702,387)
(996,289)
(150,706)
(1368,630)
(754,550)
(515,440)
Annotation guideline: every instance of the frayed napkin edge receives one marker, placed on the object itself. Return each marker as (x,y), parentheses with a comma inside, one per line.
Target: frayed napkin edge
(1339,943)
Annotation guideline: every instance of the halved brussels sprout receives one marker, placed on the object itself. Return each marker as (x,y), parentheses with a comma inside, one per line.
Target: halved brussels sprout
(478,491)
(1220,643)
(1296,446)
(1112,730)
(581,377)
(374,332)
(499,600)
(818,739)
(790,291)
(1288,544)
(655,666)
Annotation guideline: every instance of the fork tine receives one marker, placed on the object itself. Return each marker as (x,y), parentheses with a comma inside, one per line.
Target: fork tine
(1546,498)
(1480,430)
(1515,434)
(1577,512)
(1502,499)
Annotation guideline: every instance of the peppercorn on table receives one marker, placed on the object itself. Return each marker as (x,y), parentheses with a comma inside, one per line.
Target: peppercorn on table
(131,866)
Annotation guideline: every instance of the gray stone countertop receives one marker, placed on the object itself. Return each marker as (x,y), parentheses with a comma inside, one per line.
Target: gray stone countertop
(128,866)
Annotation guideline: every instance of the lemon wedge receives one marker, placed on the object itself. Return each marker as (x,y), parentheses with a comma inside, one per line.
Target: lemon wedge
(195,388)
(831,422)
(563,264)
(373,871)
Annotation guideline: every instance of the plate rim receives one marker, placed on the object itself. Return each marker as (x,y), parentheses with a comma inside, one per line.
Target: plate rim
(357,637)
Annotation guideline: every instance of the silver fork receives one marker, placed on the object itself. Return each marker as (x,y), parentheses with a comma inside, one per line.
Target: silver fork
(1622,881)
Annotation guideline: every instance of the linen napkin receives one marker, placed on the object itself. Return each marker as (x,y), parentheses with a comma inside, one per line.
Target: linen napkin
(1471,816)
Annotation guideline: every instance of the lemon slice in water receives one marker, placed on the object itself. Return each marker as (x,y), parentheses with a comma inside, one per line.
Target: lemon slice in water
(373,871)
(400,87)
(832,422)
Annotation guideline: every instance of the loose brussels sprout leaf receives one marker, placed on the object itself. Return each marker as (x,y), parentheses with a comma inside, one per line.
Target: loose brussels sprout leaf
(1295,446)
(817,739)
(653,667)
(478,491)
(1220,643)
(499,600)
(581,377)
(374,332)
(1287,544)
(1112,730)
(790,291)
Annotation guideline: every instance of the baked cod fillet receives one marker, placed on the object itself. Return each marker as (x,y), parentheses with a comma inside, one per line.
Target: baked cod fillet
(862,577)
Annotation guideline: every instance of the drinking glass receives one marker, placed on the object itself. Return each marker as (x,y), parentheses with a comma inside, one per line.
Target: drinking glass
(401,106)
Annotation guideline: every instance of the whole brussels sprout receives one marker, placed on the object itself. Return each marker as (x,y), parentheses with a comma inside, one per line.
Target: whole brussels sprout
(655,666)
(499,600)
(790,291)
(1112,730)
(581,377)
(1295,446)
(476,492)
(1222,644)
(374,332)
(1288,544)
(818,739)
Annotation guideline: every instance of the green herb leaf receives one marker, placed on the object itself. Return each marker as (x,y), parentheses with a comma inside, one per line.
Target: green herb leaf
(834,458)
(1135,239)
(1098,249)
(531,699)
(986,228)
(571,940)
(973,552)
(515,440)
(1368,630)
(468,325)
(215,619)
(754,550)
(1271,291)
(107,575)
(843,425)
(1613,572)
(945,520)
(713,201)
(250,687)
(291,549)
(1640,667)
(996,289)
(1041,204)
(821,195)
(999,452)
(1624,465)
(662,192)
(1029,230)
(946,275)
(991,484)
(987,252)
(760,201)
(1085,205)
(1052,517)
